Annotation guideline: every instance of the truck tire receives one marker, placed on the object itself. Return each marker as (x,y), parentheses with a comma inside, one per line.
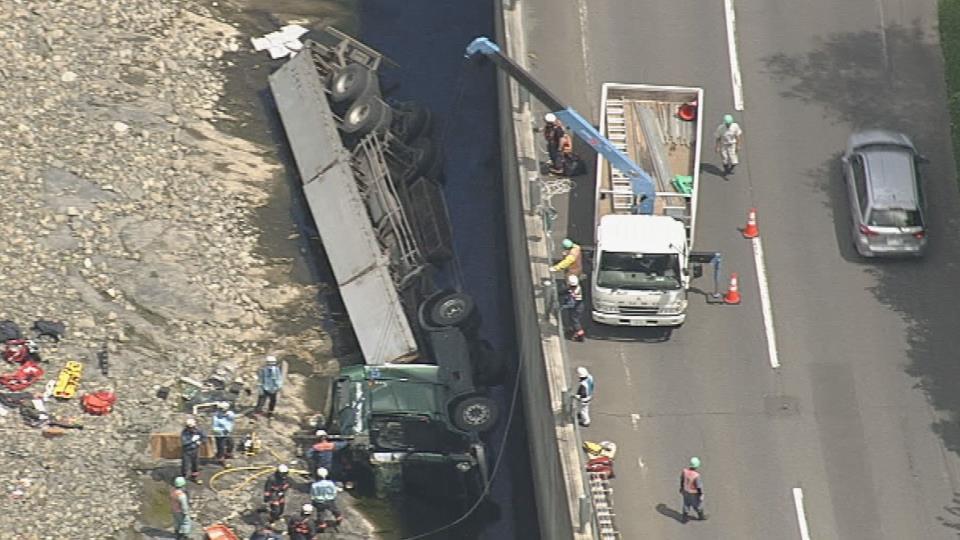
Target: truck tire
(415,120)
(475,414)
(454,309)
(366,115)
(350,83)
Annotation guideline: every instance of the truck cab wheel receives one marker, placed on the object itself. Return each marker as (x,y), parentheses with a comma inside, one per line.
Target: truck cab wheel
(454,309)
(475,414)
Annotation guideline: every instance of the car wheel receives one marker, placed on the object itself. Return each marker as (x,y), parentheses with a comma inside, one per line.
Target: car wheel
(475,414)
(453,309)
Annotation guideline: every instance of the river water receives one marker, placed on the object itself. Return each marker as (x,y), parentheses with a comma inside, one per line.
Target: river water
(426,38)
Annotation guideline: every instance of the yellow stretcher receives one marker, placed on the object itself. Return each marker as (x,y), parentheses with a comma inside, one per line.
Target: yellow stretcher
(68,380)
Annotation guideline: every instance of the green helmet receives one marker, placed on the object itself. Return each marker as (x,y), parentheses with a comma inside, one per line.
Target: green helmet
(728,119)
(567,243)
(179,482)
(694,463)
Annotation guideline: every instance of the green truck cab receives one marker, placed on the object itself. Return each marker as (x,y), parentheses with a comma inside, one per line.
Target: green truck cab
(416,427)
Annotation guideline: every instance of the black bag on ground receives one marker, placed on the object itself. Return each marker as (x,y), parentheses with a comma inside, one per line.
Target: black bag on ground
(54,329)
(9,330)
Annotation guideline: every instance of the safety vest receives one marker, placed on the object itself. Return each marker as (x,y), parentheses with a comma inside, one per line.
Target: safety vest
(323,491)
(566,144)
(585,391)
(175,497)
(690,478)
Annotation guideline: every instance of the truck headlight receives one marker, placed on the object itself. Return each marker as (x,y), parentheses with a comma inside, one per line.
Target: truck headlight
(674,309)
(605,307)
(464,466)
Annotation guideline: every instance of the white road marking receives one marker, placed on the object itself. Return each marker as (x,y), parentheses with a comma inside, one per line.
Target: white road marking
(626,368)
(883,35)
(734,58)
(640,463)
(635,420)
(801,514)
(587,71)
(765,305)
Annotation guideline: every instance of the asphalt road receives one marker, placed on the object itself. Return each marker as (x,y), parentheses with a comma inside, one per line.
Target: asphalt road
(861,414)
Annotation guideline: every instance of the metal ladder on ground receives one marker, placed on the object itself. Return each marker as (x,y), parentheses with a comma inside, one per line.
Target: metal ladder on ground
(616,124)
(602,495)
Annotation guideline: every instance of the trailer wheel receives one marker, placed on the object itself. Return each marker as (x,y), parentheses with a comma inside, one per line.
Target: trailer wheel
(415,121)
(475,414)
(366,115)
(350,83)
(454,309)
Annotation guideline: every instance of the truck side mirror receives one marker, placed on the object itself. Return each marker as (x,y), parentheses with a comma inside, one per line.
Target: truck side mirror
(697,271)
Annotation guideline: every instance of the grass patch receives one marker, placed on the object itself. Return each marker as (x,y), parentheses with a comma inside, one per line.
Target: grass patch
(949,14)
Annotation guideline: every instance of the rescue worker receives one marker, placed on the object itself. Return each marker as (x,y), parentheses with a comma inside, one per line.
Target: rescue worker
(729,138)
(553,132)
(572,260)
(323,496)
(302,527)
(584,396)
(567,157)
(691,487)
(264,532)
(572,305)
(223,421)
(321,453)
(275,491)
(191,439)
(180,506)
(270,379)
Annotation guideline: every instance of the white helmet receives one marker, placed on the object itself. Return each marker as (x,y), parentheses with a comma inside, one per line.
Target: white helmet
(573,281)
(550,117)
(223,406)
(190,422)
(582,372)
(271,359)
(322,472)
(283,469)
(307,509)
(320,433)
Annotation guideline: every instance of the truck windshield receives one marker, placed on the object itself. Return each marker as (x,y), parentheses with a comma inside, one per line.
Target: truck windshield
(638,271)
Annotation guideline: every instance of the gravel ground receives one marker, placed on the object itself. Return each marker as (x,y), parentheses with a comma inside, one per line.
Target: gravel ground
(129,215)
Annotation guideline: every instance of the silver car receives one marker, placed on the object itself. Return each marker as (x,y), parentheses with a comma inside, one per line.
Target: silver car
(885,192)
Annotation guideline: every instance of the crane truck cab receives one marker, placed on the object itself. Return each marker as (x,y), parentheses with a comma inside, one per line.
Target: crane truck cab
(639,269)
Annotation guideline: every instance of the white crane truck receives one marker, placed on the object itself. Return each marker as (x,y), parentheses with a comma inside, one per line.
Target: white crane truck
(642,262)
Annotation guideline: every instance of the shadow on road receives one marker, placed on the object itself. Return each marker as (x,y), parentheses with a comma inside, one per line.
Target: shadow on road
(847,75)
(665,510)
(638,334)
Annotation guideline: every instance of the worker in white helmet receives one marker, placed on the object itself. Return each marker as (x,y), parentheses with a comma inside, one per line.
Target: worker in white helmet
(572,305)
(323,496)
(270,379)
(553,133)
(301,527)
(321,453)
(191,439)
(584,395)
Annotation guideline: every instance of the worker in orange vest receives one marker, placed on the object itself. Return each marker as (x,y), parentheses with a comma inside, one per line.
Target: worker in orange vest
(691,487)
(320,455)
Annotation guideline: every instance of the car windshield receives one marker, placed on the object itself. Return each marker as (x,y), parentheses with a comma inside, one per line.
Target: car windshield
(639,271)
(895,217)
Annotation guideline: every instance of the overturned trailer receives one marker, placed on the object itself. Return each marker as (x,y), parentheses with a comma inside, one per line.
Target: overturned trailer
(372,177)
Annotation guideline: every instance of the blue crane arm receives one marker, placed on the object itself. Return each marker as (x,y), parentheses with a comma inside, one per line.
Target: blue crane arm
(641,182)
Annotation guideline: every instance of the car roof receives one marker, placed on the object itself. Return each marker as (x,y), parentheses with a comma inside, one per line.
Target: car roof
(890,170)
(879,136)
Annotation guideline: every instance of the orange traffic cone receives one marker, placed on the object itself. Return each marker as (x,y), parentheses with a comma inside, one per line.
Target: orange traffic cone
(751,230)
(733,293)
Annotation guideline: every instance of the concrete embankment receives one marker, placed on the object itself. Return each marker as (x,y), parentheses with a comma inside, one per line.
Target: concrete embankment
(557,468)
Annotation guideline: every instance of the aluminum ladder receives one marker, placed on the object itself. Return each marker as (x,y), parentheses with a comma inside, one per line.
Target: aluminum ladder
(602,495)
(616,125)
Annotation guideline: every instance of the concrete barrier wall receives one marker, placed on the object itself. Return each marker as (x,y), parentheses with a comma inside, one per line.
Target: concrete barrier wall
(558,477)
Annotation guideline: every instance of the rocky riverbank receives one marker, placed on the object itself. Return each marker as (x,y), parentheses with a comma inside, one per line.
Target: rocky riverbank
(129,214)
